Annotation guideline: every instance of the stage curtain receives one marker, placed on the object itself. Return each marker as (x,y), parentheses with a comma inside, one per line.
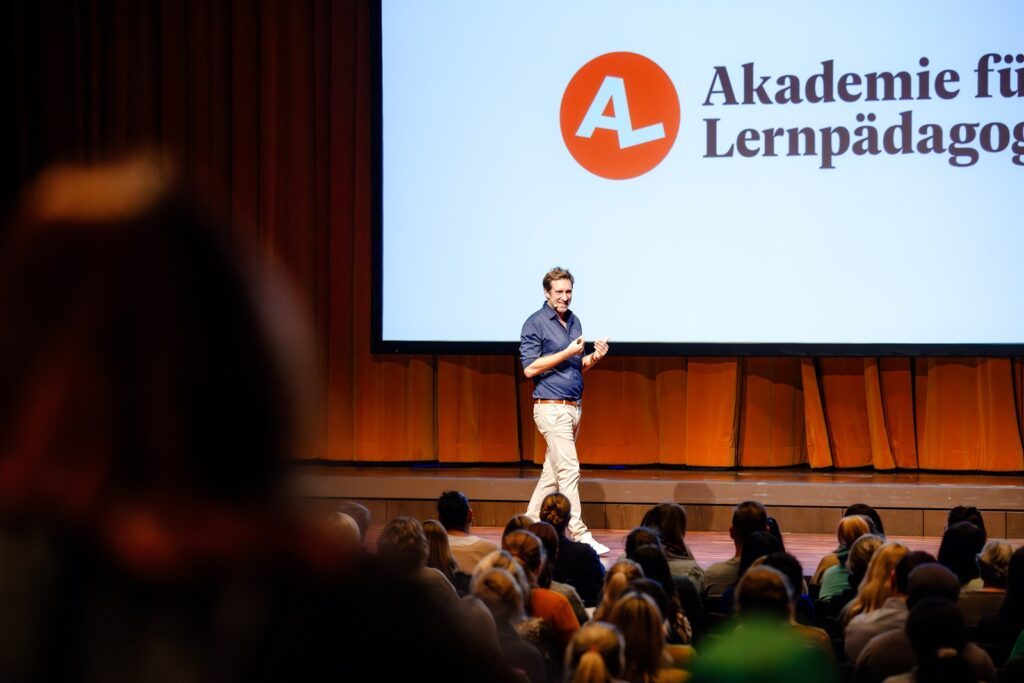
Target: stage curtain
(266,106)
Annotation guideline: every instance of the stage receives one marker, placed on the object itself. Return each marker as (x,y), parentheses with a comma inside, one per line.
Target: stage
(805,501)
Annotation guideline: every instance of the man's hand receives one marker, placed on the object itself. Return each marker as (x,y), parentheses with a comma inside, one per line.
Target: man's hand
(575,347)
(600,348)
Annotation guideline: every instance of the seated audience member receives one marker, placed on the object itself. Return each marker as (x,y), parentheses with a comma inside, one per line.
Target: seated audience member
(748,517)
(536,630)
(791,568)
(652,559)
(669,519)
(993,568)
(681,655)
(938,637)
(403,544)
(358,512)
(764,594)
(892,614)
(1002,628)
(440,557)
(151,389)
(618,578)
(776,531)
(959,550)
(546,604)
(874,588)
(346,531)
(595,654)
(849,529)
(758,545)
(516,523)
(638,619)
(890,653)
(454,512)
(865,510)
(637,537)
(577,563)
(684,588)
(502,595)
(967,513)
(549,537)
(766,646)
(839,583)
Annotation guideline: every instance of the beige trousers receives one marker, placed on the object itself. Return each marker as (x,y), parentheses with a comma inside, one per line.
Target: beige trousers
(559,425)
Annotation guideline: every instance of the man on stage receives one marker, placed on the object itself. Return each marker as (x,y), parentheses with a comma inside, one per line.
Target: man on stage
(551,348)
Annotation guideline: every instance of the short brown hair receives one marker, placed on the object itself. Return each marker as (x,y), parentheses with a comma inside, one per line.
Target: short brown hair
(557,273)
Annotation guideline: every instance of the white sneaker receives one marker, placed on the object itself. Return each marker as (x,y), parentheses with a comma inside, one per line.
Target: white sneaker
(599,548)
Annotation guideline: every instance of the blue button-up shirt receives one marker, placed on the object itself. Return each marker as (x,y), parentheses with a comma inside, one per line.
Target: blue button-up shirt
(543,335)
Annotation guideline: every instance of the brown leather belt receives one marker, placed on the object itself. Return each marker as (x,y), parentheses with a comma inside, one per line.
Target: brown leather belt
(558,401)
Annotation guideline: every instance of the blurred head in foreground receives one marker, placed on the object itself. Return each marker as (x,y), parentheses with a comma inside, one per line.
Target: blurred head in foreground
(148,407)
(140,363)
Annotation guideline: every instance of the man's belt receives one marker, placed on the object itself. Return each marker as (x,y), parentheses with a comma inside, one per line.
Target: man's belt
(558,401)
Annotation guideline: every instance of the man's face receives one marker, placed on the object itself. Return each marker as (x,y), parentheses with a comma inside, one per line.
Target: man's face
(559,296)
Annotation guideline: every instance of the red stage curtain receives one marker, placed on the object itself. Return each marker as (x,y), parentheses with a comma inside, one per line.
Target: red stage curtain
(266,105)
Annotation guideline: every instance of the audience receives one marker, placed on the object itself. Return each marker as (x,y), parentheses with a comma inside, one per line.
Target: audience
(652,560)
(669,520)
(440,557)
(546,604)
(865,510)
(1002,628)
(849,529)
(839,583)
(358,512)
(577,564)
(938,637)
(403,544)
(618,578)
(748,517)
(891,654)
(959,550)
(638,619)
(875,587)
(967,513)
(549,537)
(454,512)
(595,654)
(502,594)
(892,614)
(993,568)
(766,645)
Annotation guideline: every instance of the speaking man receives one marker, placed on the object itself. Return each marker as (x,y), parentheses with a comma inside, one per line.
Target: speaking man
(551,348)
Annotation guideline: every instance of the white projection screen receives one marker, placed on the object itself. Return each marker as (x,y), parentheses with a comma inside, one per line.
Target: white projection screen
(721,178)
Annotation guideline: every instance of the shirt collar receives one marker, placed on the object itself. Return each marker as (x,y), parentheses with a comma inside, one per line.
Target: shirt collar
(553,314)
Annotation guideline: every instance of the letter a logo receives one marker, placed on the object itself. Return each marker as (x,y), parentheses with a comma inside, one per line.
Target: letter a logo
(619,115)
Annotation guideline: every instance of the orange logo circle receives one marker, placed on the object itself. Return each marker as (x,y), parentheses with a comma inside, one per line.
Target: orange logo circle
(619,115)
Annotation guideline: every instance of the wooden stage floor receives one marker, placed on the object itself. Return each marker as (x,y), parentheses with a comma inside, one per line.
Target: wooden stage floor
(913,505)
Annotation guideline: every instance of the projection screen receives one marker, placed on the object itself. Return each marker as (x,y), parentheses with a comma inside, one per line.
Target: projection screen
(720,178)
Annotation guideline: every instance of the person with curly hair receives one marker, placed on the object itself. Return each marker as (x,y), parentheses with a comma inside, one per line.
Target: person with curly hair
(577,564)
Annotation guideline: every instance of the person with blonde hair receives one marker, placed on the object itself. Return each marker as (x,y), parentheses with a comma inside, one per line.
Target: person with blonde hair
(553,607)
(616,581)
(639,620)
(441,558)
(993,567)
(849,529)
(595,654)
(500,592)
(876,586)
(839,584)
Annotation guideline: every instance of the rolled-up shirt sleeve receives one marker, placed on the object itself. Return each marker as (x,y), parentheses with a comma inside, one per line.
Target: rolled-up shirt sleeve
(529,343)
